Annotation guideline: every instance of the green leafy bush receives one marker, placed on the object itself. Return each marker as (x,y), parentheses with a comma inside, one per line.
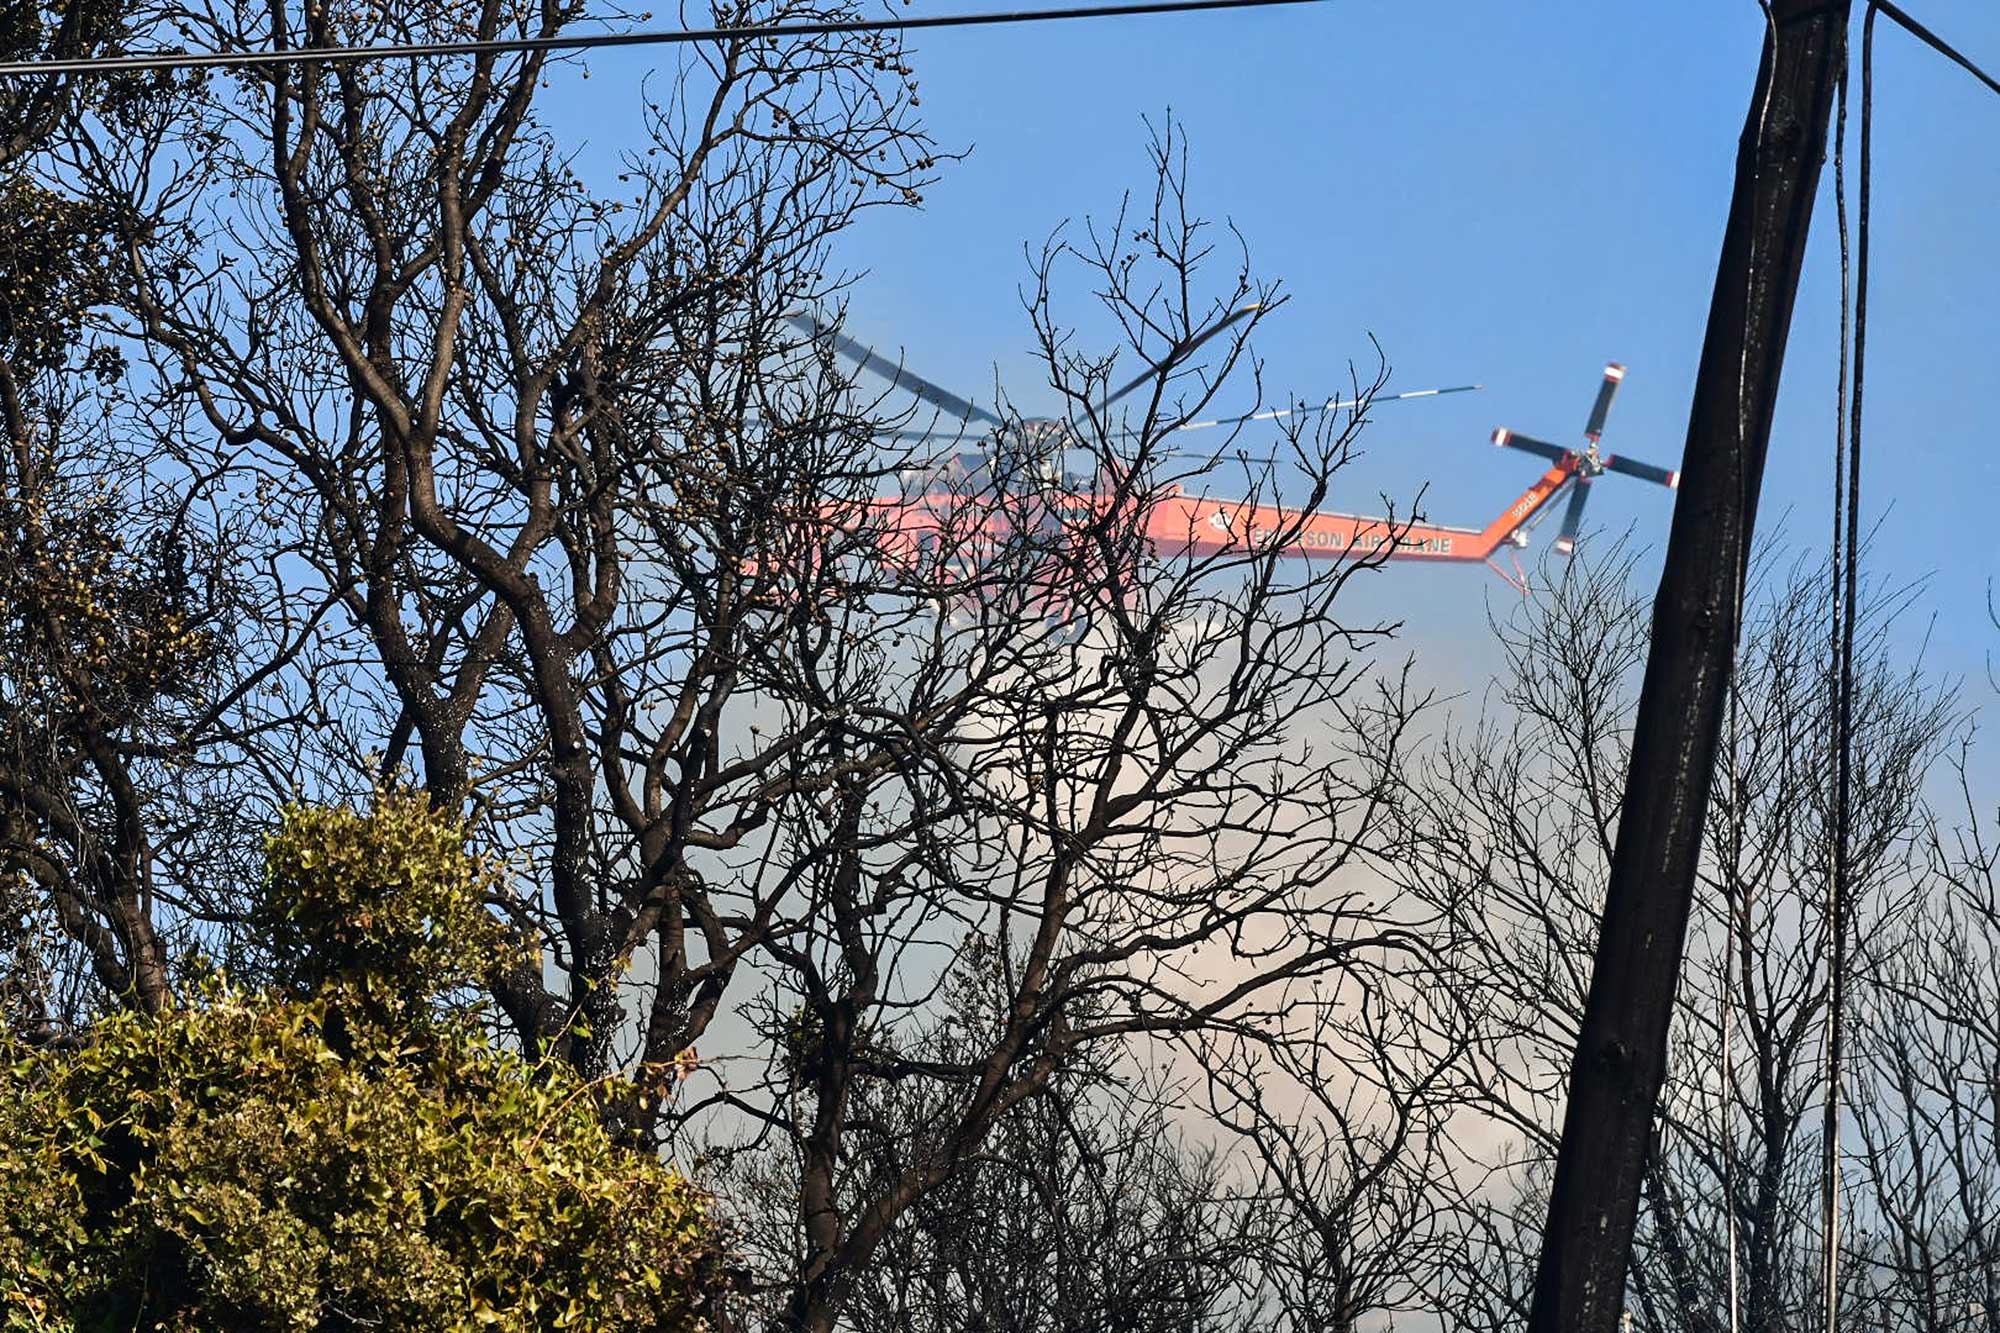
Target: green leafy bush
(388,901)
(292,1160)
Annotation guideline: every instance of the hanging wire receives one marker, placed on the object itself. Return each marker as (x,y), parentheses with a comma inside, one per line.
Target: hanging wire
(1737,621)
(1730,898)
(1845,611)
(1837,751)
(1744,498)
(323,55)
(1829,1169)
(1846,554)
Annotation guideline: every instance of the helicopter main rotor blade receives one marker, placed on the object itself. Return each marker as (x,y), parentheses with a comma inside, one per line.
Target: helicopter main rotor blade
(941,434)
(867,358)
(1579,495)
(1632,467)
(1279,413)
(1508,439)
(1614,375)
(1330,405)
(1180,351)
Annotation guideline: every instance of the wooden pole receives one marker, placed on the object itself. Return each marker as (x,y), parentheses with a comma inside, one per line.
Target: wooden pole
(1621,1050)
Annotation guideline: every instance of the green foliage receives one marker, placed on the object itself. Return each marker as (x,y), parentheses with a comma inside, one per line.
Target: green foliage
(386,902)
(229,1166)
(308,1158)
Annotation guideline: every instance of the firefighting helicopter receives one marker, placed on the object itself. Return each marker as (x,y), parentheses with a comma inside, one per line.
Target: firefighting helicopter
(1177,523)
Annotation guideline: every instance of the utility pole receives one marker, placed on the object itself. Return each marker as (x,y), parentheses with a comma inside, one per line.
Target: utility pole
(1621,1050)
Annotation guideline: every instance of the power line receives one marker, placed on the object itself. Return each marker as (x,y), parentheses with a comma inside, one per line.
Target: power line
(1935,42)
(326,55)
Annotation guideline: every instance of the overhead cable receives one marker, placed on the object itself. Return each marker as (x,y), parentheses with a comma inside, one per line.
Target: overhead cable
(326,55)
(1935,42)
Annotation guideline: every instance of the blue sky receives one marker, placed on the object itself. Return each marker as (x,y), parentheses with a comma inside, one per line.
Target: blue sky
(1511,194)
